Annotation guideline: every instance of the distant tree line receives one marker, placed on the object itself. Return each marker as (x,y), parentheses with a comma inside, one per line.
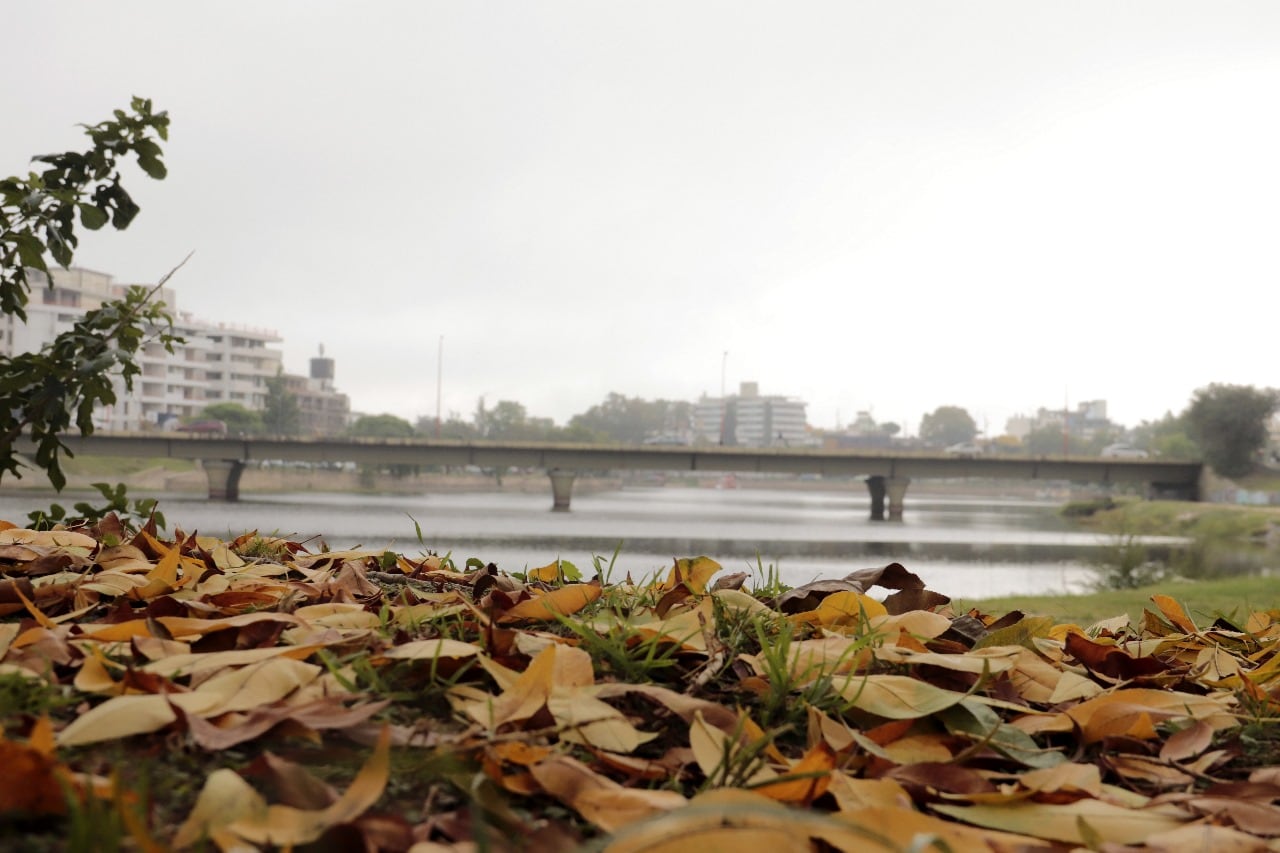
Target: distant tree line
(1224,425)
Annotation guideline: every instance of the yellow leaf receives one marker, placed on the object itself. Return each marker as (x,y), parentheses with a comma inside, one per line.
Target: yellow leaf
(738,602)
(917,623)
(991,660)
(94,676)
(284,825)
(1062,822)
(36,613)
(721,758)
(693,572)
(201,663)
(687,628)
(162,579)
(223,557)
(1037,680)
(1133,712)
(228,807)
(550,606)
(432,650)
(597,798)
(918,749)
(253,686)
(1064,777)
(48,538)
(122,716)
(848,607)
(896,697)
(550,573)
(820,760)
(225,798)
(904,827)
(1174,613)
(852,794)
(524,698)
(1215,665)
(731,820)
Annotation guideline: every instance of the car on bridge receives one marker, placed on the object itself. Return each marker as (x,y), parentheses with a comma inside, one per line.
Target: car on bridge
(964,448)
(1123,451)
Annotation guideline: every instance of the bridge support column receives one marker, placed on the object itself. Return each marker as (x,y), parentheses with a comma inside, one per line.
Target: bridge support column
(875,485)
(894,488)
(561,488)
(224,478)
(897,488)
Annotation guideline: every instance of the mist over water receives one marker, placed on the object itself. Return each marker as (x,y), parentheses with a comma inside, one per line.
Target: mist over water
(963,547)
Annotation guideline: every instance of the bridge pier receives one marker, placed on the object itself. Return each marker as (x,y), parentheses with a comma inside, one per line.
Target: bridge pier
(897,487)
(224,478)
(875,485)
(561,488)
(894,488)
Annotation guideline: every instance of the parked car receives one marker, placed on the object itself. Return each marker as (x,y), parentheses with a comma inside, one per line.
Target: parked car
(964,448)
(1124,451)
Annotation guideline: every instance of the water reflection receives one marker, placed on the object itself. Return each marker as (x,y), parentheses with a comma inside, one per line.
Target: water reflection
(960,546)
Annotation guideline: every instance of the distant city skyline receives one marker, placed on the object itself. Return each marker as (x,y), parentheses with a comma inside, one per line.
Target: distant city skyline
(888,207)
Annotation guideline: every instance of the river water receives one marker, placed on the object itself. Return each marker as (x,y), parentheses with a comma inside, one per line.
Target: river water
(965,547)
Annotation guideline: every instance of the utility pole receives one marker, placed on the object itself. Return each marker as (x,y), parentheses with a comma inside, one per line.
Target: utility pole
(439,378)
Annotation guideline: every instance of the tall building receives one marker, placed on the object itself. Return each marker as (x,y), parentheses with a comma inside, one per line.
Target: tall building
(217,363)
(748,419)
(322,410)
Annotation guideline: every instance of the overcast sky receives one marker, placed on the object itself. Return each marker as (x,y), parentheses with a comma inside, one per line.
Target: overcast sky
(888,206)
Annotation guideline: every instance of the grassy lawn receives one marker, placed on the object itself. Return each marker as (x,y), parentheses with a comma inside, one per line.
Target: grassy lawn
(1204,600)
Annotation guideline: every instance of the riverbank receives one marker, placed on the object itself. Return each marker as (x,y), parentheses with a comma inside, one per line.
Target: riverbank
(1204,600)
(1245,525)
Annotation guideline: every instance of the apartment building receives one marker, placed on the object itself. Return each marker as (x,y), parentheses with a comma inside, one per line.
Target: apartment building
(750,419)
(218,362)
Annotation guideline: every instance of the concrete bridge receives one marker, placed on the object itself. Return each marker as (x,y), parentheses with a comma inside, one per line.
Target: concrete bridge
(887,474)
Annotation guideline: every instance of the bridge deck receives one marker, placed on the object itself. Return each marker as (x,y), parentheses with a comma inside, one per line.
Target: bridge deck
(611,457)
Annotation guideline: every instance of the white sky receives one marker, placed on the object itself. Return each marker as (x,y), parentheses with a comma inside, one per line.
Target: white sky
(889,206)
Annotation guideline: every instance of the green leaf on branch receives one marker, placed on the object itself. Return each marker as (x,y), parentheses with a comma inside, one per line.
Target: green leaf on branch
(93,217)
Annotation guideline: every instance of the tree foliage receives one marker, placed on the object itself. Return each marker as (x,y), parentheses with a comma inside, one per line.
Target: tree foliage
(280,414)
(631,420)
(1229,422)
(239,419)
(510,421)
(947,425)
(1045,441)
(381,426)
(48,392)
(1166,437)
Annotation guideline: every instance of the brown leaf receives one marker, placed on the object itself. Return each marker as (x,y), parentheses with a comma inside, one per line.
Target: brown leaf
(31,782)
(892,576)
(1110,661)
(907,600)
(946,778)
(804,598)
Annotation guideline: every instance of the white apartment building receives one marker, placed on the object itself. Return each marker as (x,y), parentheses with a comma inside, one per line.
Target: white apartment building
(217,363)
(749,419)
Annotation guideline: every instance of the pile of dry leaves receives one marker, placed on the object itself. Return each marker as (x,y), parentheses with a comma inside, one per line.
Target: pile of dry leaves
(189,692)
